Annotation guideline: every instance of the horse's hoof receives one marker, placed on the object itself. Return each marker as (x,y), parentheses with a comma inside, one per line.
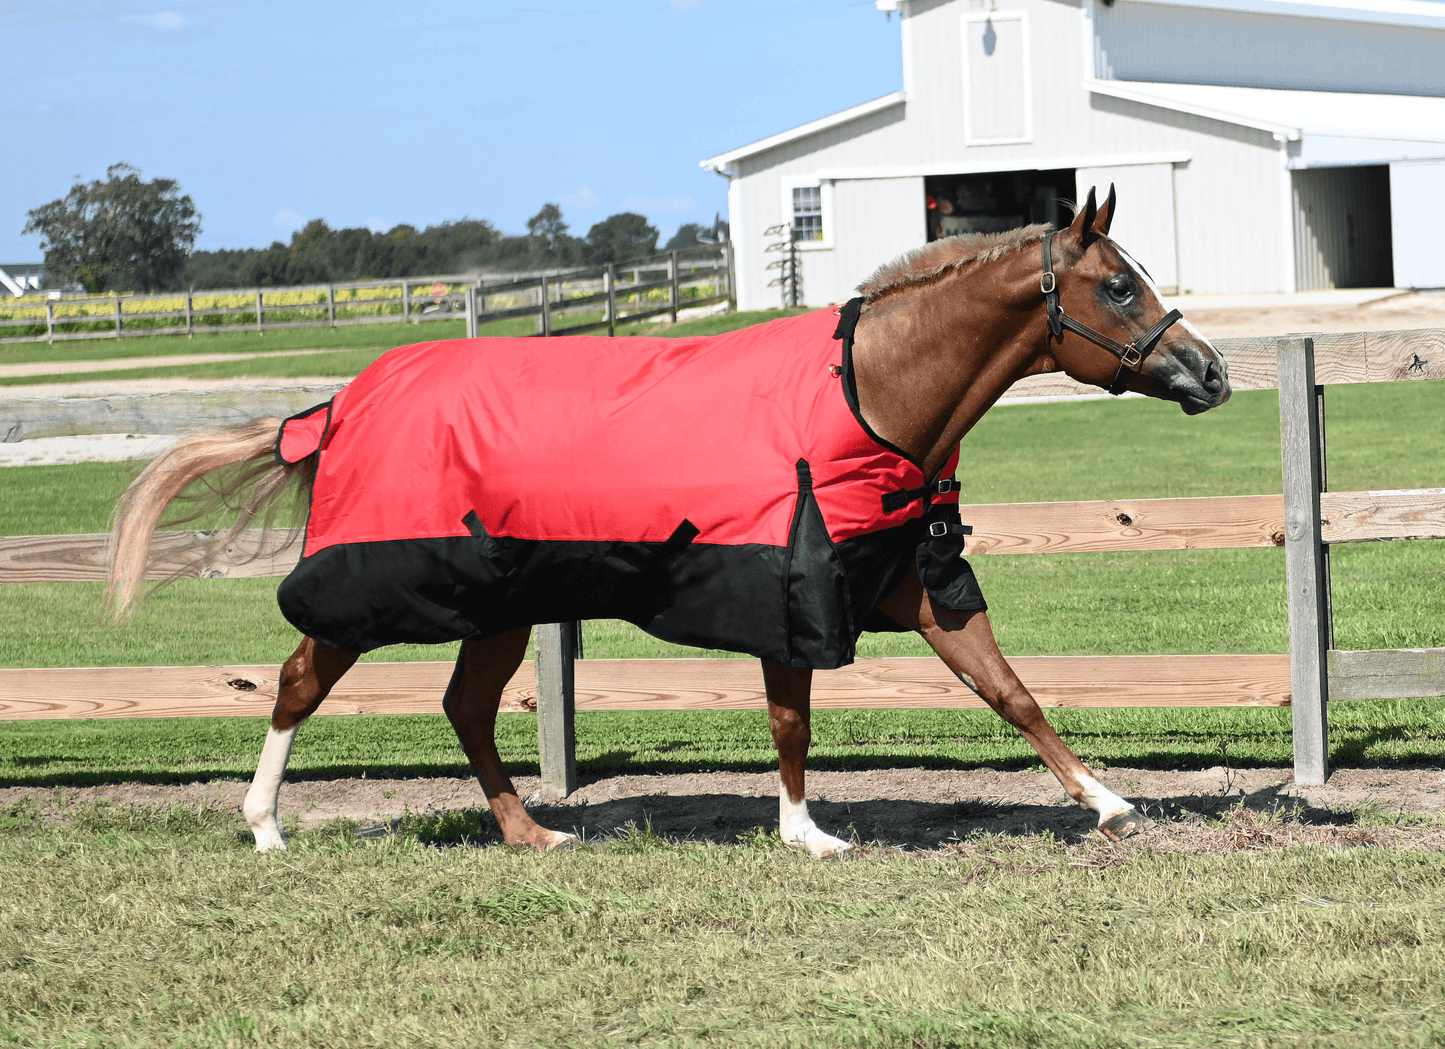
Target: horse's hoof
(822,846)
(1122,824)
(270,843)
(558,839)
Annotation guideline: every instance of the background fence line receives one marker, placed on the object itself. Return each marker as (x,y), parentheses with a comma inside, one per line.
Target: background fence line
(685,275)
(1306,519)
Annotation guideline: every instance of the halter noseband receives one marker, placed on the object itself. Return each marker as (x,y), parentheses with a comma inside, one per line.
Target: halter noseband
(1130,355)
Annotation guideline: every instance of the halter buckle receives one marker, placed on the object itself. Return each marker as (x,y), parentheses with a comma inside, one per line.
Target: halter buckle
(1047,284)
(1131,356)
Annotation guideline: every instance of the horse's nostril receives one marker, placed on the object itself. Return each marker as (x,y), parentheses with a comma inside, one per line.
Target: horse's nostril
(1213,376)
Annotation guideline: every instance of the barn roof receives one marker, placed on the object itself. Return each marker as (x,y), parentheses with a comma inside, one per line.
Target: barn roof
(1295,114)
(722,160)
(1390,12)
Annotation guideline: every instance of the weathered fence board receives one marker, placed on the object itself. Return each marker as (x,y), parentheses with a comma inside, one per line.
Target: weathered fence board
(179,411)
(1395,673)
(650,684)
(1354,517)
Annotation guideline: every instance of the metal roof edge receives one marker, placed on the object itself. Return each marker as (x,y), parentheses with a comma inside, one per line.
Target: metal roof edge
(1112,88)
(1387,12)
(722,160)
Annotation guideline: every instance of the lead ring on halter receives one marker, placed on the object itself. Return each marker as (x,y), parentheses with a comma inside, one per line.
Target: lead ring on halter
(1130,355)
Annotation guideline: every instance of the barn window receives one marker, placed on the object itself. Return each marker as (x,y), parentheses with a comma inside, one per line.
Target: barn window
(997,103)
(807,213)
(808,206)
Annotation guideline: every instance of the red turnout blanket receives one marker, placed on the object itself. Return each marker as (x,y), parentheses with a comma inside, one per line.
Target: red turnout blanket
(719,491)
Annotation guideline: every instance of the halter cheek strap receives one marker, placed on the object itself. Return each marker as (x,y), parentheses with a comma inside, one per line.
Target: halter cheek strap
(1130,355)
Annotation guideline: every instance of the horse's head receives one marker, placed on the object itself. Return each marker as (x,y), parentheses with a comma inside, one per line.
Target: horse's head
(1108,327)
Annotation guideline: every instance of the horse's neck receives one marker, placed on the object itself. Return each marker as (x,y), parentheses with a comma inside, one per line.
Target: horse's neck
(930,359)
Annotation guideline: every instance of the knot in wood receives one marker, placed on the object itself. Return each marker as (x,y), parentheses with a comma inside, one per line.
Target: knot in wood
(1124,519)
(240,684)
(1277,538)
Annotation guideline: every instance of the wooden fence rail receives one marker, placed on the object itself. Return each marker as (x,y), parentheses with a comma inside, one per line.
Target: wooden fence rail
(1306,519)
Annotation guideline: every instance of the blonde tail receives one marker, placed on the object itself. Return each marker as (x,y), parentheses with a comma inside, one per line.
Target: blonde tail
(249,491)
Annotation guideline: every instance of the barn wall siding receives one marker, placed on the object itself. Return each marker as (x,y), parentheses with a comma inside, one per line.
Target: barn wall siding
(1417,205)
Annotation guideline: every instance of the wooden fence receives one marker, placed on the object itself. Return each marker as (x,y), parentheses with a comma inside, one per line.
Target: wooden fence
(687,278)
(1306,519)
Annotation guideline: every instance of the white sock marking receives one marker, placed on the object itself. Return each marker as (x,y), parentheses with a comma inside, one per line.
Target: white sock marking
(799,830)
(259,807)
(1101,799)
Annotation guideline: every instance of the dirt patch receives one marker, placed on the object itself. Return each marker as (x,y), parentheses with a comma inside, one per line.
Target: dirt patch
(914,809)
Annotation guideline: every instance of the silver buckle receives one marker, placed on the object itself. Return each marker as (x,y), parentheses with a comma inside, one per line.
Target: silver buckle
(1131,355)
(1047,283)
(947,486)
(938,528)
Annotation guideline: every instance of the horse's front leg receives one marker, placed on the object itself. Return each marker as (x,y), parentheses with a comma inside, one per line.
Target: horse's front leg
(965,641)
(483,669)
(306,678)
(789,715)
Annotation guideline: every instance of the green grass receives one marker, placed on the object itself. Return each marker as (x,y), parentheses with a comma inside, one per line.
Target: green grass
(190,750)
(130,928)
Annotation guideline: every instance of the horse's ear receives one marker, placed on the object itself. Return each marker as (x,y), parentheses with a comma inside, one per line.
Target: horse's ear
(1106,215)
(1083,224)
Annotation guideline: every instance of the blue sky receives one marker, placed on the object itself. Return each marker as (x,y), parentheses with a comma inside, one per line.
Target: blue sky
(369,114)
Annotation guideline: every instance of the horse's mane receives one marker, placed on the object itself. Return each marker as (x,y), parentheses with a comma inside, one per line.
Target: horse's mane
(933,260)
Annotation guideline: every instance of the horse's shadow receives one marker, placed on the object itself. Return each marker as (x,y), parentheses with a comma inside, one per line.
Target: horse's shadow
(727,819)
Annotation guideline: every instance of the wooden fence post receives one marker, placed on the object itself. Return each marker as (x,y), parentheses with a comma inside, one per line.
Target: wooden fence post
(190,315)
(557,706)
(50,323)
(610,278)
(1304,558)
(331,303)
(119,320)
(546,307)
(472,312)
(405,301)
(732,285)
(260,322)
(672,291)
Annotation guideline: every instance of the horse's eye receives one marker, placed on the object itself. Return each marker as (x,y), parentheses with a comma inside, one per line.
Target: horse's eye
(1120,288)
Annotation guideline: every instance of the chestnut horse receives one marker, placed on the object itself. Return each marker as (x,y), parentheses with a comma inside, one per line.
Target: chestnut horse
(943,332)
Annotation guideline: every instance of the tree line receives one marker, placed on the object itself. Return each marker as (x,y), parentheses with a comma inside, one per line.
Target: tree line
(125,234)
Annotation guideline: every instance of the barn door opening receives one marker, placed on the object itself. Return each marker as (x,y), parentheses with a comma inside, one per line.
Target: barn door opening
(996,201)
(1342,228)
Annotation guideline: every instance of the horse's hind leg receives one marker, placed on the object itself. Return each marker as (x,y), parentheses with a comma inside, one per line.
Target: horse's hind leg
(789,715)
(306,678)
(965,641)
(483,669)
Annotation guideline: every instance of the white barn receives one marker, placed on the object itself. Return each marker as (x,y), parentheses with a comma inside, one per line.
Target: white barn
(1257,145)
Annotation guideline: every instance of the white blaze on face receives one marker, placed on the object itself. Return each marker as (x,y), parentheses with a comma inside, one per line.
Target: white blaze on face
(1143,275)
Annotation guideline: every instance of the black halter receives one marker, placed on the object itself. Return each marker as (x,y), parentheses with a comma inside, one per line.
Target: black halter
(1130,355)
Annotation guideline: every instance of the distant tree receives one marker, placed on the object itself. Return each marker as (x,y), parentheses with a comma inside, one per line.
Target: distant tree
(119,234)
(551,244)
(622,236)
(215,269)
(687,236)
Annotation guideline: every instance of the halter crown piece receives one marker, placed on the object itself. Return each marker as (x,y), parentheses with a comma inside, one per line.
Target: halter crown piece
(1130,355)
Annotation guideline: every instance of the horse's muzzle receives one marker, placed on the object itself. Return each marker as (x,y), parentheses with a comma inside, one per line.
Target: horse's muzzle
(1196,377)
